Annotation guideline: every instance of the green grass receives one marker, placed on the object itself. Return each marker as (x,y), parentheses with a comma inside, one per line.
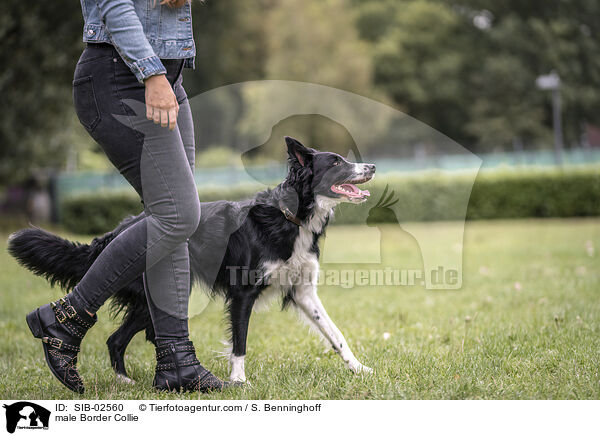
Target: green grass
(531,292)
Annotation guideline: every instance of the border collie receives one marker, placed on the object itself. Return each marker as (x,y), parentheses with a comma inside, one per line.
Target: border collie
(242,250)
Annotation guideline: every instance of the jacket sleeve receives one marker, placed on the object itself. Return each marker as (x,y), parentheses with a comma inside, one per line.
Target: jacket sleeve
(127,35)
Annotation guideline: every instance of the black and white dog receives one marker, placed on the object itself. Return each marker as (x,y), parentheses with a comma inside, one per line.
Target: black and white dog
(242,250)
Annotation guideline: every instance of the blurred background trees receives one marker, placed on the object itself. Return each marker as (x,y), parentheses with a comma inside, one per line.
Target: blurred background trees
(40,44)
(467,68)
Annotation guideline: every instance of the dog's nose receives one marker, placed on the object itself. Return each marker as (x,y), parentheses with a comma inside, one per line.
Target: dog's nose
(370,167)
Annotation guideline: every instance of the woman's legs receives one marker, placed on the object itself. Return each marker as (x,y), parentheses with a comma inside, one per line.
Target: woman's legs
(168,280)
(172,215)
(108,101)
(172,212)
(157,164)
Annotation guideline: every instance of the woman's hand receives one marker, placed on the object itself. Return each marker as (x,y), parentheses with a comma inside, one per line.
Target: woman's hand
(161,103)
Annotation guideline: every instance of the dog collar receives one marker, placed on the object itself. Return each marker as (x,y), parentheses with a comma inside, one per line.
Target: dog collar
(291,217)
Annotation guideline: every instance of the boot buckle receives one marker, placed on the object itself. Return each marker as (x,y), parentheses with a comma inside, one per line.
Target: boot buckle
(60,315)
(70,311)
(53,342)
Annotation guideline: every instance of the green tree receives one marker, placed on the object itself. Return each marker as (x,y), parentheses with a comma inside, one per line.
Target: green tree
(468,67)
(39,46)
(230,43)
(316,41)
(421,61)
(523,41)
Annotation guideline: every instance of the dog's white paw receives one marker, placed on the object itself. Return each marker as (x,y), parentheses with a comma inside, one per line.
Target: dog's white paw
(240,381)
(237,378)
(366,370)
(359,368)
(124,379)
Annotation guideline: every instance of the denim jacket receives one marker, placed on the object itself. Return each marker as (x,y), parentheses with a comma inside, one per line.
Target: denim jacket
(142,32)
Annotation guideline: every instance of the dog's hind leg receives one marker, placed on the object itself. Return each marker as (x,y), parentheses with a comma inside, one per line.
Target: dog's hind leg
(117,343)
(306,299)
(240,309)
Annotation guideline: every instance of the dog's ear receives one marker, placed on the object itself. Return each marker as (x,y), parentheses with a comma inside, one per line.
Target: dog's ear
(298,152)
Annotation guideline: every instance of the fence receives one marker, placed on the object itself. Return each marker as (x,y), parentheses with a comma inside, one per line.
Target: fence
(70,184)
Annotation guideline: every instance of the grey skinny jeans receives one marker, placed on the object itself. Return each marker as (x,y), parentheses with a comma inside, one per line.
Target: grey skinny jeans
(158,163)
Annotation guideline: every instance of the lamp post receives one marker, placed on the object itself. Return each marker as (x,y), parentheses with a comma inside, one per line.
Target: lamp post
(551,82)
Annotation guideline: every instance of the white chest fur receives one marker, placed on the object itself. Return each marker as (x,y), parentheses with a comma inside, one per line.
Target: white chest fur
(303,265)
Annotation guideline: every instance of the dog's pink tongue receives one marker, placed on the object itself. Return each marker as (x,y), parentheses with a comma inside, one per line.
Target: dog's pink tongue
(356,191)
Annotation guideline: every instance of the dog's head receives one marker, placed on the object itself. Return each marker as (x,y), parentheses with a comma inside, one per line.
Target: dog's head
(329,174)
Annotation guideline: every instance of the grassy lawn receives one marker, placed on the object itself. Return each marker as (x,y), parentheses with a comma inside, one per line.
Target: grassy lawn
(525,325)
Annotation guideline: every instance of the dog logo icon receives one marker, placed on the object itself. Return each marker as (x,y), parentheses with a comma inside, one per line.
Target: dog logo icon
(26,415)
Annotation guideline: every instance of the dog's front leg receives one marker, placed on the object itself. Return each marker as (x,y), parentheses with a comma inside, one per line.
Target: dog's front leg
(240,309)
(305,297)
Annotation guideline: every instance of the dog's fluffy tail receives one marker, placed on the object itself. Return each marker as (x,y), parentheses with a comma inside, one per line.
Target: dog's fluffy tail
(58,260)
(64,262)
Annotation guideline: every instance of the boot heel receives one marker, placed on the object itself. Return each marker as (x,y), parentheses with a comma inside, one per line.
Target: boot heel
(33,321)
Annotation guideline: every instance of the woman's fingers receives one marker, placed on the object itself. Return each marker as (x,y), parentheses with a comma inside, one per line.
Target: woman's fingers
(164,118)
(156,115)
(172,118)
(173,114)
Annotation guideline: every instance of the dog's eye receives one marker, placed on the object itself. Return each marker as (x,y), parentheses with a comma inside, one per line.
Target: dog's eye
(336,163)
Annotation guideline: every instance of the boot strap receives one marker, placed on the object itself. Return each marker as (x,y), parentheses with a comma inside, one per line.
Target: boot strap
(61,316)
(59,344)
(68,312)
(71,326)
(168,366)
(184,346)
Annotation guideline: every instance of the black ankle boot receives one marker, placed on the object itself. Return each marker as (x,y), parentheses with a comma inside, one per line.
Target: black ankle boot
(61,326)
(178,369)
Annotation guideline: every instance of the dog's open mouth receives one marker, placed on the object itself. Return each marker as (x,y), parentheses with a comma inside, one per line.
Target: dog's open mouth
(351,191)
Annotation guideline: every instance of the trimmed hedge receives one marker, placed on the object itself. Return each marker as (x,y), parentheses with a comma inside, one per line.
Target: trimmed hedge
(101,212)
(425,197)
(494,195)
